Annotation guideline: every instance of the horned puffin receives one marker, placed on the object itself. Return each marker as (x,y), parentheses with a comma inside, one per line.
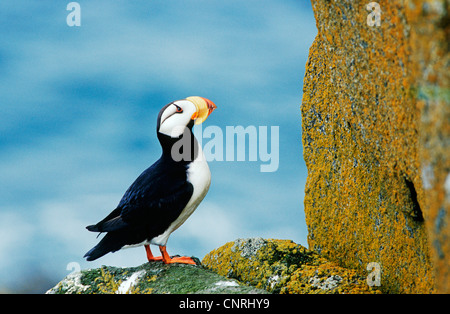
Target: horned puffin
(167,193)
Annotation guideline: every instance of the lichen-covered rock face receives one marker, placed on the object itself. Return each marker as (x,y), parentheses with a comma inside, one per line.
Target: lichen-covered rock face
(375,120)
(282,266)
(149,278)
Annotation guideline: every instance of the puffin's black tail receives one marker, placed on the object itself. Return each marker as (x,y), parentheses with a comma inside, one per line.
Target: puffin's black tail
(110,243)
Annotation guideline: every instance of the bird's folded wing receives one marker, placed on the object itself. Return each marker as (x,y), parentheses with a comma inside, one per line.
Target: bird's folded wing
(160,211)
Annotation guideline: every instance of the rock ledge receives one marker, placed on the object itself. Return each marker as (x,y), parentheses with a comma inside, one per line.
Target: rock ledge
(150,278)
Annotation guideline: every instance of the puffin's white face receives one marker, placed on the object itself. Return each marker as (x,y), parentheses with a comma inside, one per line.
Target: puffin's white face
(177,115)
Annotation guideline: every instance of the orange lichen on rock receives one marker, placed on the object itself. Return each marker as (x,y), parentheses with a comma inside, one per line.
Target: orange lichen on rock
(282,266)
(375,115)
(430,40)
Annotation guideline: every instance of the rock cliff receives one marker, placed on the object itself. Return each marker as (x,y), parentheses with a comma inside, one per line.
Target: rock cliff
(376,135)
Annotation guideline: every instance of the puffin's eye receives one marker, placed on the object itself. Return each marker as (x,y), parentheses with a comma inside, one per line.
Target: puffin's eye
(179,109)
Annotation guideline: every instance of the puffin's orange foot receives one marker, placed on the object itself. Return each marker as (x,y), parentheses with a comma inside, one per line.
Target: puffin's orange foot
(181,260)
(155,259)
(150,256)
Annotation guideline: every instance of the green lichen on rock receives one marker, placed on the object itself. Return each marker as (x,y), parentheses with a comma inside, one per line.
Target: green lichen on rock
(375,115)
(282,266)
(154,278)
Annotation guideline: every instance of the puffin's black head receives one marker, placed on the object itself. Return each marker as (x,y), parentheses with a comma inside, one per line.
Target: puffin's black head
(180,116)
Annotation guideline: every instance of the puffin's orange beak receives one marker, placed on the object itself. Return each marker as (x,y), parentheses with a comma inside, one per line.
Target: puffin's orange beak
(204,108)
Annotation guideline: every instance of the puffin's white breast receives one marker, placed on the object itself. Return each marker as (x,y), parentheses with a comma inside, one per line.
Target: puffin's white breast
(199,175)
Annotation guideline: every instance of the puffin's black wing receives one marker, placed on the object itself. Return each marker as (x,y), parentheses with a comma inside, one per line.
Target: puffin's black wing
(102,226)
(148,207)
